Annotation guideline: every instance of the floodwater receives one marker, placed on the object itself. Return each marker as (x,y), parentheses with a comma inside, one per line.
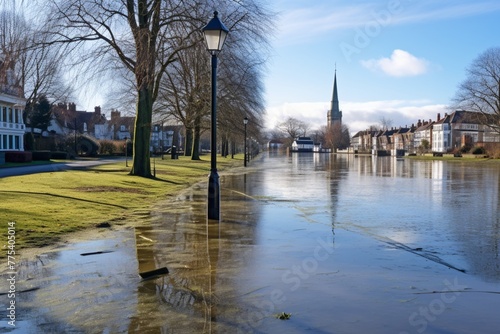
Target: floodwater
(339,243)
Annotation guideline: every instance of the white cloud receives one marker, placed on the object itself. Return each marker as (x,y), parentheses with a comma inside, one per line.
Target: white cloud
(400,64)
(313,113)
(358,116)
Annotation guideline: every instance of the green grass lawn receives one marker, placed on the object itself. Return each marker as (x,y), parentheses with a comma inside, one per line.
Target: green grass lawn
(450,157)
(45,206)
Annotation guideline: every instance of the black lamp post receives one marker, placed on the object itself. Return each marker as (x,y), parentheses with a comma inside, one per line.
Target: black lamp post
(76,148)
(245,121)
(126,152)
(215,35)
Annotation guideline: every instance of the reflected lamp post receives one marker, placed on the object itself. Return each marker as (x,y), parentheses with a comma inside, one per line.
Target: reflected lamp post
(245,121)
(215,34)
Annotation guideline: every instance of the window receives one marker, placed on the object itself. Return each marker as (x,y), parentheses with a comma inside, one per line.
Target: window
(17,143)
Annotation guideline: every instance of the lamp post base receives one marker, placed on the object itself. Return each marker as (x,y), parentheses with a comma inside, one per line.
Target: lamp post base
(213,195)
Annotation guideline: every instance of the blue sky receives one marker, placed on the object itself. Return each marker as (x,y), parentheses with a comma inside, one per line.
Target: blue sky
(400,60)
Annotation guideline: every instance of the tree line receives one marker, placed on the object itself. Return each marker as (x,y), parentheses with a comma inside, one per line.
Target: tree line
(154,53)
(151,54)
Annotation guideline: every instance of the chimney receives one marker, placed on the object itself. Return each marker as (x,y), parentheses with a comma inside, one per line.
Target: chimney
(439,117)
(115,114)
(97,110)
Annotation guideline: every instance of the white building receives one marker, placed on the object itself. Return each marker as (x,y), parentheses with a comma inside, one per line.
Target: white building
(303,144)
(461,128)
(11,121)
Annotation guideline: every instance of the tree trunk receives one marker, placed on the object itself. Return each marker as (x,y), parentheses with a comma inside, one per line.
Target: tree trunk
(142,134)
(188,142)
(196,143)
(223,146)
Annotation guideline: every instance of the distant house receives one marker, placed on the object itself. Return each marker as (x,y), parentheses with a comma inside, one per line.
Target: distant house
(361,142)
(67,120)
(422,133)
(383,143)
(461,128)
(164,137)
(303,144)
(12,104)
(122,126)
(11,122)
(274,144)
(403,141)
(454,131)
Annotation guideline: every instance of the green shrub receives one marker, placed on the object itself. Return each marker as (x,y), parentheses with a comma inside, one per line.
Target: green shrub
(107,147)
(478,150)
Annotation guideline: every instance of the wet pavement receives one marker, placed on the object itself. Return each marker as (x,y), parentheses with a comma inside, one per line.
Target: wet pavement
(55,167)
(308,235)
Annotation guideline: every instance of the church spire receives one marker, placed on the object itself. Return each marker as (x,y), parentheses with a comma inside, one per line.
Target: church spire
(335,98)
(334,115)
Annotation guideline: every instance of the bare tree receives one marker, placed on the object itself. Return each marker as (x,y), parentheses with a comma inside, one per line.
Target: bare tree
(242,96)
(337,136)
(480,92)
(186,89)
(36,67)
(293,128)
(319,135)
(145,37)
(135,34)
(385,123)
(185,94)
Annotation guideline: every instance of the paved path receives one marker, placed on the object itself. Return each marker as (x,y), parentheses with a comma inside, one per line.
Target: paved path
(55,167)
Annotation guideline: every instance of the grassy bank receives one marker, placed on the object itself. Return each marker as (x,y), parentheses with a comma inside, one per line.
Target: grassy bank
(450,157)
(46,206)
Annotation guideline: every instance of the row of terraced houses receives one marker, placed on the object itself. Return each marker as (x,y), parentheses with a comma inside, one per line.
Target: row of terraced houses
(447,134)
(67,120)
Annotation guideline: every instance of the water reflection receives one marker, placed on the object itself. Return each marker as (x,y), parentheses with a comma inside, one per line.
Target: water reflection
(274,251)
(447,208)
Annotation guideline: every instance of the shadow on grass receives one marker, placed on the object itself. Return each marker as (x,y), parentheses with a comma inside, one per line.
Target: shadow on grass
(62,196)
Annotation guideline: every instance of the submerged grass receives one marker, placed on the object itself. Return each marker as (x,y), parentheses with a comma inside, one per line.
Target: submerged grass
(46,206)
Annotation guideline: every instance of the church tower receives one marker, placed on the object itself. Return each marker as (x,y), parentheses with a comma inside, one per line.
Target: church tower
(334,115)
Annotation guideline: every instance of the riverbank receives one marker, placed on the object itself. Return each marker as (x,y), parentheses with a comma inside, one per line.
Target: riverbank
(45,207)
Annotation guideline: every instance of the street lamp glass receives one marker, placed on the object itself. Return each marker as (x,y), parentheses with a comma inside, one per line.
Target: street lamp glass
(215,34)
(245,120)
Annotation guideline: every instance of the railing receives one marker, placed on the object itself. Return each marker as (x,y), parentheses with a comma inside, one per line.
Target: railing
(8,125)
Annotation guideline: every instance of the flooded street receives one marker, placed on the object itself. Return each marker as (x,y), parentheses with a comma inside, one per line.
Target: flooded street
(337,243)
